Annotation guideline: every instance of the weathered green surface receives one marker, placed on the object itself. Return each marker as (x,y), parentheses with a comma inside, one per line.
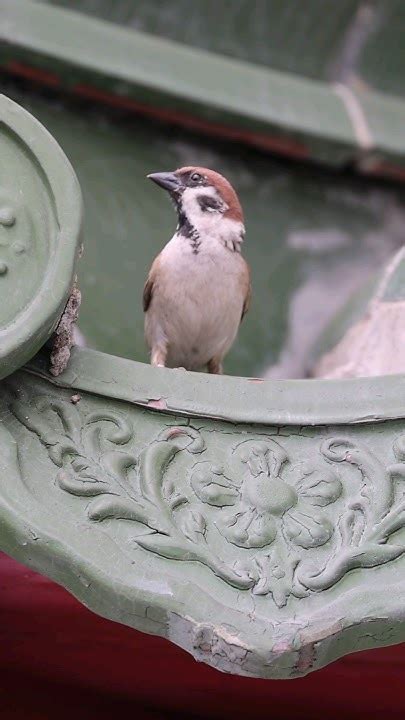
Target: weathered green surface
(386,121)
(387,286)
(284,77)
(257,524)
(375,344)
(40,219)
(237,400)
(312,237)
(267,549)
(302,37)
(179,81)
(393,289)
(316,38)
(381,64)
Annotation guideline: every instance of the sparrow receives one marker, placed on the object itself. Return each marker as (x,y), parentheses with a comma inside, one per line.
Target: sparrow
(198,288)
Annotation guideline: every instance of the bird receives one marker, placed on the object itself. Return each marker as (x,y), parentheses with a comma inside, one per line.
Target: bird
(198,288)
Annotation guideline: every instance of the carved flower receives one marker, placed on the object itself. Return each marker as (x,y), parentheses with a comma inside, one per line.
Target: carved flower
(263,503)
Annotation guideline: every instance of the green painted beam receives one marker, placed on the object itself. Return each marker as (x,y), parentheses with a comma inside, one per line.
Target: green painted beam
(269,108)
(386,122)
(298,37)
(279,111)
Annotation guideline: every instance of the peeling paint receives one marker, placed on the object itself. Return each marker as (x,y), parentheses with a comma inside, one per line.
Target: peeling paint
(159,404)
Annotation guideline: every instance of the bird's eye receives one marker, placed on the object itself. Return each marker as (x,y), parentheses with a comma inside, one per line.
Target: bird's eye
(196,177)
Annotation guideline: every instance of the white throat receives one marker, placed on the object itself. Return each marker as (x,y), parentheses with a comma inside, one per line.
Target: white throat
(202,221)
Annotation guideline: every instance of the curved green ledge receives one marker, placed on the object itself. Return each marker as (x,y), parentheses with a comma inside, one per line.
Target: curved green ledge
(262,548)
(260,525)
(40,221)
(238,400)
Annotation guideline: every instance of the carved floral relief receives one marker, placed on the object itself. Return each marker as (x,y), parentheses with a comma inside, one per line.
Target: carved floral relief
(258,517)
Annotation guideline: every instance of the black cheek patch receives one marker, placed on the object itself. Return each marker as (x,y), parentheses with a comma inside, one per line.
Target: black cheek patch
(207,203)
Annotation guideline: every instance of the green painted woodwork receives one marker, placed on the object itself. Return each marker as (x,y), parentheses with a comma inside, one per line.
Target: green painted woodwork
(348,315)
(298,37)
(375,343)
(288,79)
(394,290)
(312,237)
(40,219)
(381,65)
(386,118)
(316,38)
(268,544)
(258,524)
(386,287)
(178,81)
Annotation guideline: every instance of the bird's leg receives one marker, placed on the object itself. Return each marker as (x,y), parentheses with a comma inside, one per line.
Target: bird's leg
(158,356)
(215,366)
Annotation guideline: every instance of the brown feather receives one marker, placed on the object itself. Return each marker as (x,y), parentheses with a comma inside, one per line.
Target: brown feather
(224,187)
(248,290)
(150,284)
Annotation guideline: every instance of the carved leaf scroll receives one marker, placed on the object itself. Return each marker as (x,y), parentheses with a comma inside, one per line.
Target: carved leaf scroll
(261,520)
(90,470)
(368,519)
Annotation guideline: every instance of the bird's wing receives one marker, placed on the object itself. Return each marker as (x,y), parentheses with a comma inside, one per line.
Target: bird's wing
(247,289)
(150,285)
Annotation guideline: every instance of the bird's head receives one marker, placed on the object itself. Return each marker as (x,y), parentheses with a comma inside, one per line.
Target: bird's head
(206,203)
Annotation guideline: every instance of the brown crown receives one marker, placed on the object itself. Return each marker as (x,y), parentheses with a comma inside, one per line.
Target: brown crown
(224,187)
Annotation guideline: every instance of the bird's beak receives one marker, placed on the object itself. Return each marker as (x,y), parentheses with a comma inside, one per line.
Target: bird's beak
(167,180)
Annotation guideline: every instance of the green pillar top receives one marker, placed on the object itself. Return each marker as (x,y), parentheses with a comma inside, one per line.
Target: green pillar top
(40,221)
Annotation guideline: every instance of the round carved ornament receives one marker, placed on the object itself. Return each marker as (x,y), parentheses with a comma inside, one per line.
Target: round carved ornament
(40,222)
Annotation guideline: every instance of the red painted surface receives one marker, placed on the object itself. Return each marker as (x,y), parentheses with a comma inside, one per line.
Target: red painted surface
(59,660)
(278,144)
(281,145)
(385,169)
(38,75)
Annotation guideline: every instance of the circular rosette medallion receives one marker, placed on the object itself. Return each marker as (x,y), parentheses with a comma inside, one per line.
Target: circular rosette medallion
(40,220)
